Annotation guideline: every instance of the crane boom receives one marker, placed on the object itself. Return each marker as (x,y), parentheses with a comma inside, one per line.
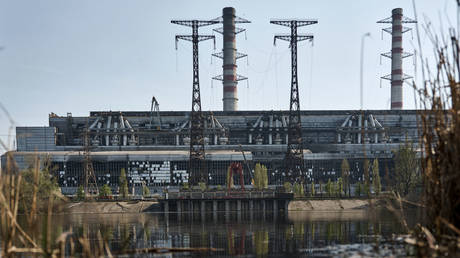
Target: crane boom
(155,107)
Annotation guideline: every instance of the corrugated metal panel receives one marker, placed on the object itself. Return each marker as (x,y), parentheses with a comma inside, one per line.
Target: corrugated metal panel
(36,138)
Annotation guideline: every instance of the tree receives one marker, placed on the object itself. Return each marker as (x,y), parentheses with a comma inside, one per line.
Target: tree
(321,188)
(185,186)
(376,177)
(312,189)
(329,188)
(80,193)
(105,191)
(340,186)
(264,177)
(345,168)
(358,189)
(145,190)
(287,187)
(298,189)
(366,178)
(388,183)
(229,181)
(202,186)
(123,184)
(37,187)
(260,177)
(407,167)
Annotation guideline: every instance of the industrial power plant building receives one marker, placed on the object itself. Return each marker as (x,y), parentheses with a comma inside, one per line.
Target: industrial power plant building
(153,147)
(158,156)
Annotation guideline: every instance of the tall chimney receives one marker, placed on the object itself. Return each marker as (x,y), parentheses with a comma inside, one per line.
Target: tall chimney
(397,55)
(229,60)
(396,59)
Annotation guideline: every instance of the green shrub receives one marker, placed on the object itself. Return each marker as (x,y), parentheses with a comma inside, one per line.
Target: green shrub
(80,193)
(145,191)
(287,187)
(105,191)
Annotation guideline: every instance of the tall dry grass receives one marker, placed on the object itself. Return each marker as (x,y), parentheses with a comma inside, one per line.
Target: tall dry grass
(439,98)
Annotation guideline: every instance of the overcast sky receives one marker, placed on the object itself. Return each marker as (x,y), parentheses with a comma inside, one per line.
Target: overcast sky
(82,55)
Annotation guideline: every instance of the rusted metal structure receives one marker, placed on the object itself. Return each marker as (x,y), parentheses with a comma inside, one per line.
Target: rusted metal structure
(236,168)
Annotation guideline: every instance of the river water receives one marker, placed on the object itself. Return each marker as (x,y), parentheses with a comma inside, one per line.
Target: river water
(297,234)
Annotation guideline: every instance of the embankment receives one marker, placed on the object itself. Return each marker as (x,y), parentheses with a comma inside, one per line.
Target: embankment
(333,205)
(112,207)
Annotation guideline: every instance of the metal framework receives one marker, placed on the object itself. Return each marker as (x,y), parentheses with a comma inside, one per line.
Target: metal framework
(197,163)
(294,154)
(90,179)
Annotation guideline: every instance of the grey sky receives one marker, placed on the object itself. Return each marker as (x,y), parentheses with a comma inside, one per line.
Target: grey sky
(76,56)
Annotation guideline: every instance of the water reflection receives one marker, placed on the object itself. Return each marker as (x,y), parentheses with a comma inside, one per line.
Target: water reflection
(258,234)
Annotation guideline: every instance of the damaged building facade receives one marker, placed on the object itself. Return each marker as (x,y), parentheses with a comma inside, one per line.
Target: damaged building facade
(153,148)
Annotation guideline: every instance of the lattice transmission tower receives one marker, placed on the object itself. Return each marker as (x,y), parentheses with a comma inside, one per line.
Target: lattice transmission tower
(197,169)
(294,154)
(90,182)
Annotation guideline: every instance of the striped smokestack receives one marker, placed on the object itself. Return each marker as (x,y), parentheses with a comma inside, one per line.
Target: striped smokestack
(397,55)
(229,60)
(396,59)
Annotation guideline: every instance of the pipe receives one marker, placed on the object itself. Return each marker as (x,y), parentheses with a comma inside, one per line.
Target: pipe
(366,138)
(122,125)
(360,126)
(270,125)
(283,120)
(129,126)
(219,124)
(107,137)
(346,120)
(94,123)
(257,122)
(372,121)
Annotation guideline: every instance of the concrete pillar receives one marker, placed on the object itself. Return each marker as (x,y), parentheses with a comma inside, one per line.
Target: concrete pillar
(179,206)
(214,206)
(203,211)
(227,210)
(214,210)
(166,206)
(263,209)
(203,206)
(251,205)
(238,205)
(275,206)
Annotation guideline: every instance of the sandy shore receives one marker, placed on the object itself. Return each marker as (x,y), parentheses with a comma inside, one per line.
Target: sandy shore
(332,205)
